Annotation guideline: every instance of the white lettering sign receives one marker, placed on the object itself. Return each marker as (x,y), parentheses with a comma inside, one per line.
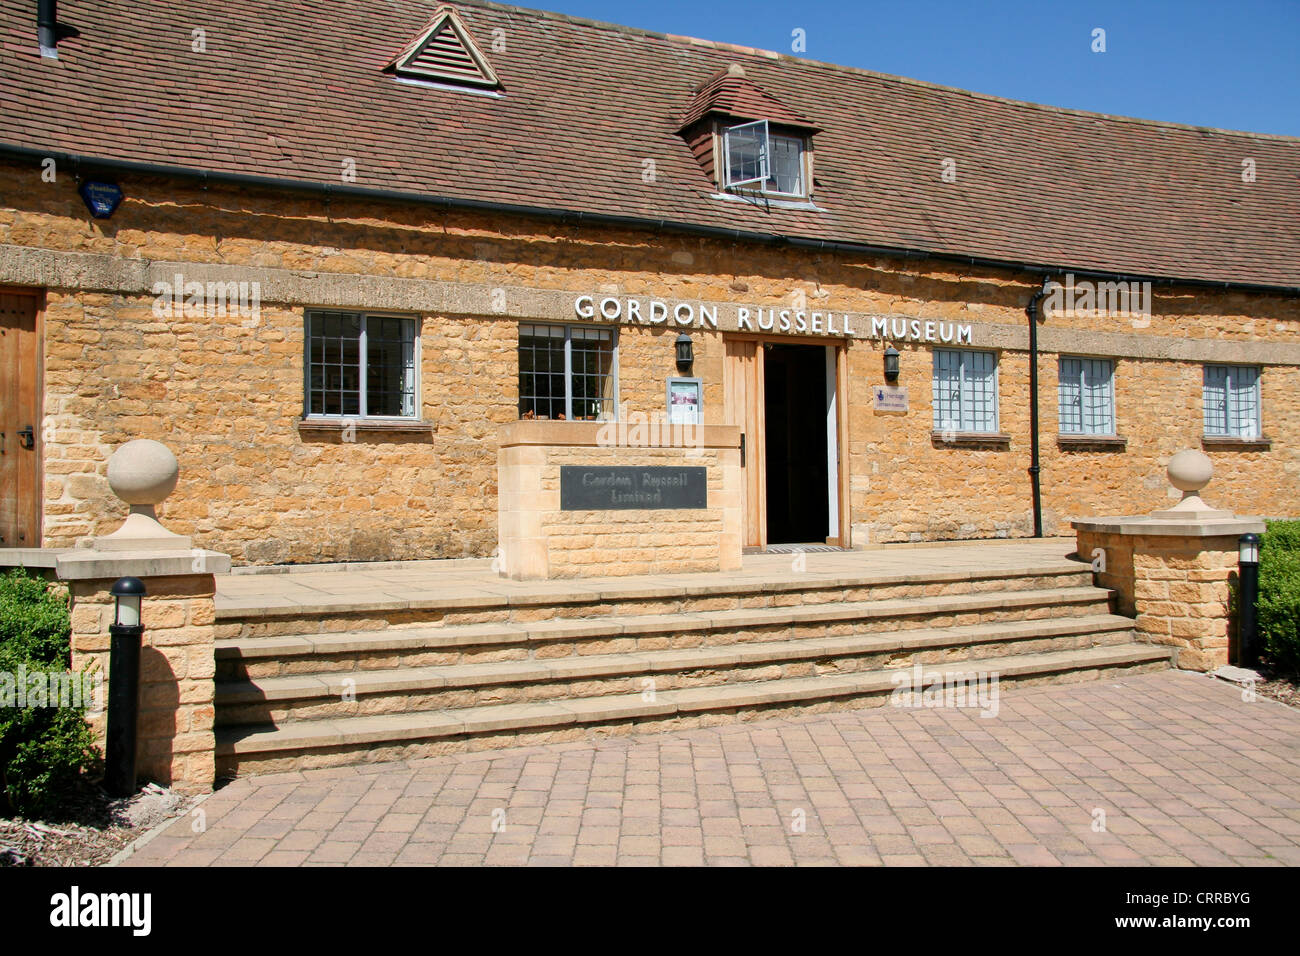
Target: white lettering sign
(632,310)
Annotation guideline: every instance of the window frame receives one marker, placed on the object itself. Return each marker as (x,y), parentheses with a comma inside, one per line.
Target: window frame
(1112,416)
(995,430)
(759,186)
(764,159)
(569,327)
(363,367)
(1257,388)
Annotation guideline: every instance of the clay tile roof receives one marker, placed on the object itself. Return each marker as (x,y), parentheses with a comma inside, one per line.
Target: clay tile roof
(288,89)
(730,92)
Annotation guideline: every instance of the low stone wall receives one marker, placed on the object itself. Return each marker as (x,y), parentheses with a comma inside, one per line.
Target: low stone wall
(175,739)
(541,540)
(1117,575)
(175,743)
(1175,585)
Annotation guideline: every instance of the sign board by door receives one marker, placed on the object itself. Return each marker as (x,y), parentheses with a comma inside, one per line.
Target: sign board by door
(685,401)
(888,398)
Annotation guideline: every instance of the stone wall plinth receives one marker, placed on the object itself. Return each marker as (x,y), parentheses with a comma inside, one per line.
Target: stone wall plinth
(1173,577)
(540,540)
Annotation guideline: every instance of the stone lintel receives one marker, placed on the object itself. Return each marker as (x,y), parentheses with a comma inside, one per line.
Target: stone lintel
(103,272)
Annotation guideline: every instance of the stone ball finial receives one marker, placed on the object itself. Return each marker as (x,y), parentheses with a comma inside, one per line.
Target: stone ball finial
(143,472)
(1190,470)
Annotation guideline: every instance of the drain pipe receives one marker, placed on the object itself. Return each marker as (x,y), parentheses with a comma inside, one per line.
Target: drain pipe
(1034,469)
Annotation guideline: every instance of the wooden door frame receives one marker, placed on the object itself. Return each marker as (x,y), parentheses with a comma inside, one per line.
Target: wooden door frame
(844,538)
(38,295)
(841,346)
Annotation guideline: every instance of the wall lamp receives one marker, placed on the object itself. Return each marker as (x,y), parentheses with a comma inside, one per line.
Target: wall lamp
(891,364)
(685,352)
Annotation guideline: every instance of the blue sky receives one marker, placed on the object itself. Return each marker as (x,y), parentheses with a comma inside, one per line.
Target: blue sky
(1233,64)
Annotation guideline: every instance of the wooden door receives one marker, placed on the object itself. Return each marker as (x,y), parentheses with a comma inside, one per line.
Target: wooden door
(743,383)
(20,420)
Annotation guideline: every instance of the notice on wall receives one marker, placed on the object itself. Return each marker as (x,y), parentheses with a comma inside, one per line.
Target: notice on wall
(685,403)
(888,398)
(623,487)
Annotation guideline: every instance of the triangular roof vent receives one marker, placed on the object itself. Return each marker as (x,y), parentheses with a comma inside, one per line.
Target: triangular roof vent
(444,51)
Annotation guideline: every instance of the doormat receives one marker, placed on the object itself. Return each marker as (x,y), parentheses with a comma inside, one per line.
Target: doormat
(800,548)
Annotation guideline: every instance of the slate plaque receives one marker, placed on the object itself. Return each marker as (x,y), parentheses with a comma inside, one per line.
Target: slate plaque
(621,487)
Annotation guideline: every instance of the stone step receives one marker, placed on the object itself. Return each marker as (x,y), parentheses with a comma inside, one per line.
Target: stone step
(253,615)
(314,743)
(280,700)
(260,657)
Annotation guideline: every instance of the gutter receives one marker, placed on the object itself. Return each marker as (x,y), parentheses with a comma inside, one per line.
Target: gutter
(80,163)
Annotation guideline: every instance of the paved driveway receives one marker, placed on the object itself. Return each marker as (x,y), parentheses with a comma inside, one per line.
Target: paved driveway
(1168,769)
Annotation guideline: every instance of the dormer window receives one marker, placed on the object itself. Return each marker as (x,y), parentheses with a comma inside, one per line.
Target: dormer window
(758,159)
(746,155)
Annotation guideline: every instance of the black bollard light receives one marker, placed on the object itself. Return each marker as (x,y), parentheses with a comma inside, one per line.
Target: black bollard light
(1248,577)
(125,633)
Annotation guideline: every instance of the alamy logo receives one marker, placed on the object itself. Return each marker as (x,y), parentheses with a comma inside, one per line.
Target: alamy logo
(180,299)
(921,688)
(1098,298)
(654,430)
(41,689)
(76,909)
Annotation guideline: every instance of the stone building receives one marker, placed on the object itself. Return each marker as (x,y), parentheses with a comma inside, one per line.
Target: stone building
(339,265)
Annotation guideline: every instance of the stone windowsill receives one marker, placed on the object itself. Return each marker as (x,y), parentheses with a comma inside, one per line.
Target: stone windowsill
(1229,442)
(968,439)
(337,425)
(1107,442)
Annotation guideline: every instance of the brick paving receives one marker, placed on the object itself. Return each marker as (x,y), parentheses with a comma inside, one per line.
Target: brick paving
(1184,771)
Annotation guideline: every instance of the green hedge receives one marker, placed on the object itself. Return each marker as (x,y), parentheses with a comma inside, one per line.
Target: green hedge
(46,752)
(1279,593)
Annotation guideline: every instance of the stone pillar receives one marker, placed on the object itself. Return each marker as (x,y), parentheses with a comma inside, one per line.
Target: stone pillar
(176,745)
(175,739)
(1171,569)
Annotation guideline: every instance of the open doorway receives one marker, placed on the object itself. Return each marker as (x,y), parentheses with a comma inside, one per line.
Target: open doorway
(788,399)
(799,457)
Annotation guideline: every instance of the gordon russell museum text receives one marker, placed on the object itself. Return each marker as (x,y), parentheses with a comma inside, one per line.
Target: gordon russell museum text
(792,321)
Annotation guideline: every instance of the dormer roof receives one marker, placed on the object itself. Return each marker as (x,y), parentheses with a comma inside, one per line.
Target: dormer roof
(731,93)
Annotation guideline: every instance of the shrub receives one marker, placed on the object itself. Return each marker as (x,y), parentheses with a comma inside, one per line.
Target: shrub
(46,753)
(34,624)
(1279,594)
(1281,535)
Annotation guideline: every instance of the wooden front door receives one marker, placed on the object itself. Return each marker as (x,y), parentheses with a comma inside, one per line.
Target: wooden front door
(20,420)
(743,382)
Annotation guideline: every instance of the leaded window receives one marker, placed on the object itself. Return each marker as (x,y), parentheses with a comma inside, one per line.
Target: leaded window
(361,365)
(1231,400)
(567,373)
(1086,396)
(965,392)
